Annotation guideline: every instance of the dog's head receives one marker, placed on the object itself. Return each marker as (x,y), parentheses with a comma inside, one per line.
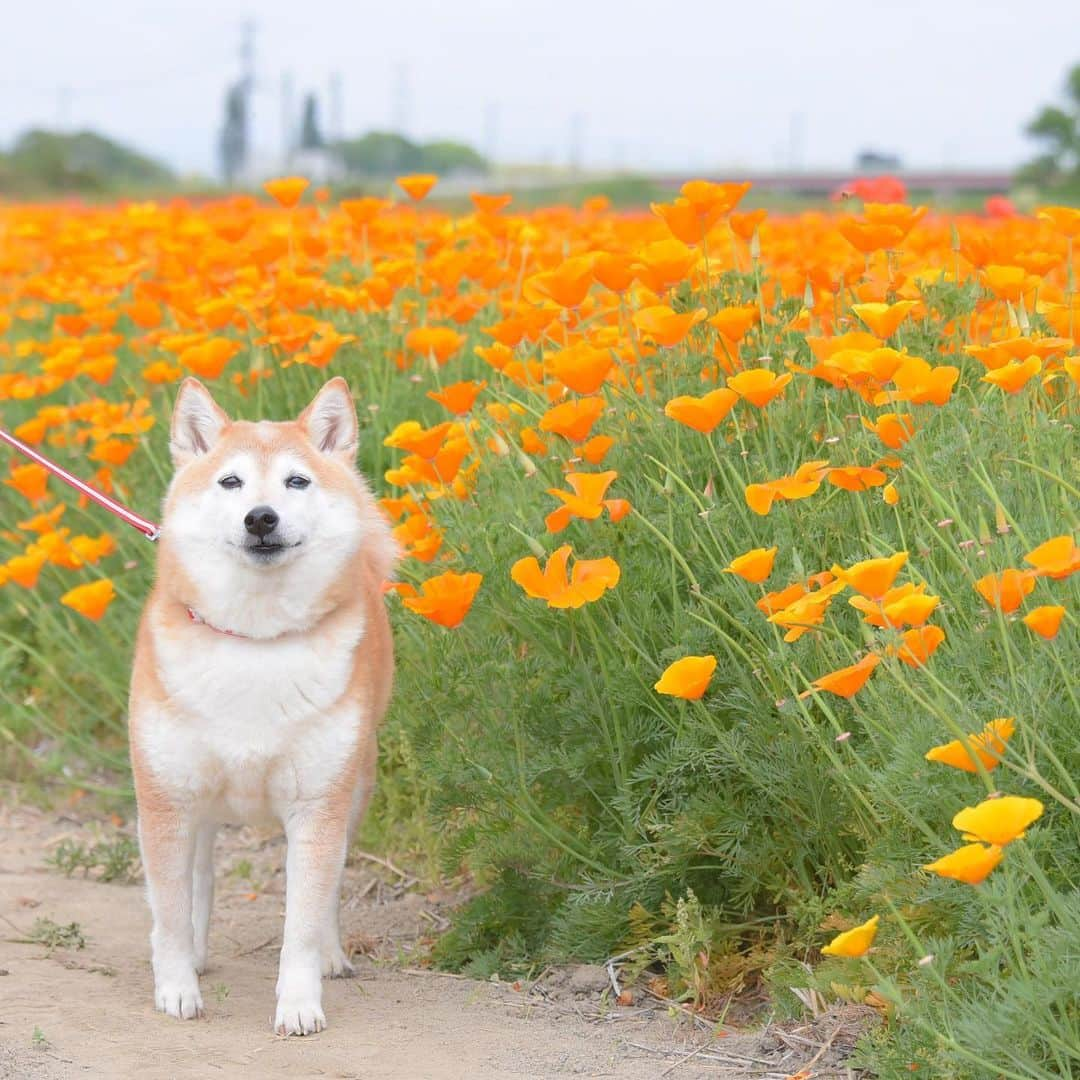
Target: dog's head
(268,508)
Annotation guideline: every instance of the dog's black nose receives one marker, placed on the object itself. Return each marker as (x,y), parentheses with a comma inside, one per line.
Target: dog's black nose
(261,521)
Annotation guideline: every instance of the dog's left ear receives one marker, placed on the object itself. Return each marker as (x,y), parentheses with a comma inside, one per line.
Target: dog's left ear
(330,420)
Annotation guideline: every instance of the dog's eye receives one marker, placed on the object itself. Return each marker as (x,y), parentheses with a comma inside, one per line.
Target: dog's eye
(297,482)
(231,482)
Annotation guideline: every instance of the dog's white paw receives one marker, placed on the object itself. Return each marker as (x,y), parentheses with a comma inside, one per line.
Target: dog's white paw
(335,964)
(179,998)
(201,963)
(299,1016)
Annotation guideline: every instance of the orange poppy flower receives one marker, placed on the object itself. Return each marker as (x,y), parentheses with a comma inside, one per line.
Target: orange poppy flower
(802,484)
(410,436)
(581,367)
(905,605)
(687,678)
(801,615)
(363,211)
(590,579)
(919,645)
(1008,282)
(286,190)
(573,419)
(458,398)
(24,569)
(890,496)
(45,521)
(893,429)
(531,443)
(664,326)
(848,681)
(869,236)
(1007,589)
(745,225)
(91,600)
(916,381)
(585,500)
(160,372)
(702,413)
(144,313)
(30,481)
(856,477)
(998,821)
(755,565)
(854,943)
(872,577)
(688,222)
(1057,558)
(321,350)
(1045,620)
(987,746)
(440,342)
(112,451)
(759,386)
(970,864)
(88,549)
(884,319)
(709,195)
(735,322)
(1013,376)
(208,359)
(1063,219)
(613,271)
(445,599)
(594,450)
(567,285)
(417,185)
(780,598)
(490,204)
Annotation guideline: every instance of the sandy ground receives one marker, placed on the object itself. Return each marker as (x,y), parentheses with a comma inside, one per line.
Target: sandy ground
(88,1012)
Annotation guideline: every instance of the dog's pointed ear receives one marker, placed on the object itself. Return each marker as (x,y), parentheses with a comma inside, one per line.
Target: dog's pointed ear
(197,422)
(330,420)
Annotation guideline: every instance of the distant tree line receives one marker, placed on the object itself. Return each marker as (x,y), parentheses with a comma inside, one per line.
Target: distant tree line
(386,154)
(82,161)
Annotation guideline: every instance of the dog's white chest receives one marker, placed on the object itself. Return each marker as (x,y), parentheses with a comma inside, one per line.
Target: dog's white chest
(253,686)
(261,724)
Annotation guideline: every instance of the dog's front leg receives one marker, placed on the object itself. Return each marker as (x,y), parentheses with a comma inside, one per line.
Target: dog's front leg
(167,839)
(317,843)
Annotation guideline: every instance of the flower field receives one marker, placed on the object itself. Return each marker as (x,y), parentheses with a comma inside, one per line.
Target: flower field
(738,614)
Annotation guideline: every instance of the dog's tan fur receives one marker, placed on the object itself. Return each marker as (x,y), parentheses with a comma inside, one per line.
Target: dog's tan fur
(314,772)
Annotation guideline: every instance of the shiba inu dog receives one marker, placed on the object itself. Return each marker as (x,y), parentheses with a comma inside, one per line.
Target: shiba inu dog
(263,666)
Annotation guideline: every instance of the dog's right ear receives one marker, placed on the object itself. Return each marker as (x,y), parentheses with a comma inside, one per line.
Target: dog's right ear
(197,422)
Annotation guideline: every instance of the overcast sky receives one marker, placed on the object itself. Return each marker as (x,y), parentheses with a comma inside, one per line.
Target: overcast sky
(689,84)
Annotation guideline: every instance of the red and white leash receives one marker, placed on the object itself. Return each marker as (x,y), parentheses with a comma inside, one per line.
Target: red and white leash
(147,528)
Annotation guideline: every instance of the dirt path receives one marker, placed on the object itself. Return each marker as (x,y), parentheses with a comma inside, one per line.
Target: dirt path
(71,1012)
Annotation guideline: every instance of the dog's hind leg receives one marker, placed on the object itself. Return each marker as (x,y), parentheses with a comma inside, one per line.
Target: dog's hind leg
(202,898)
